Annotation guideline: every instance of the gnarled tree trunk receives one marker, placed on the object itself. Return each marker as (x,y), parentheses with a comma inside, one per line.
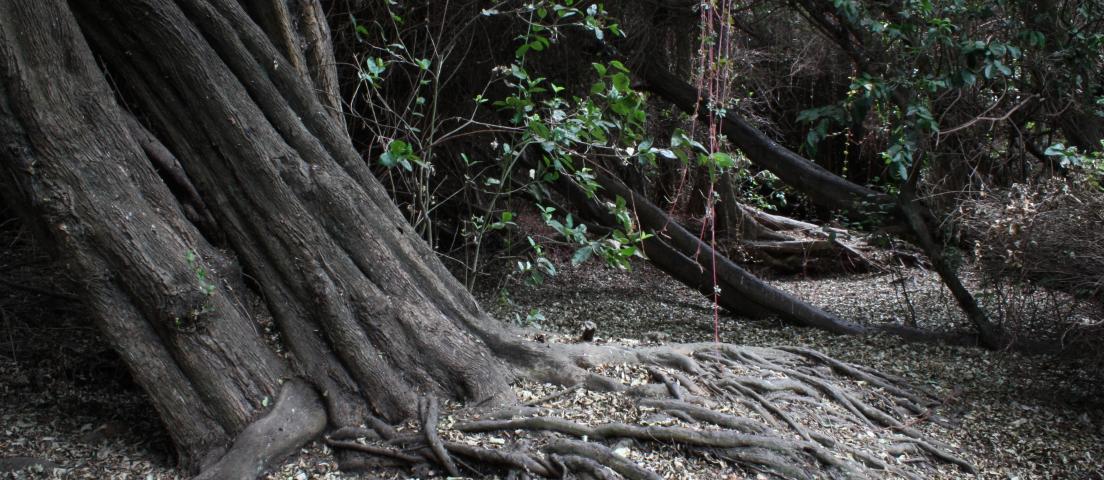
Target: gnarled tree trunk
(370,317)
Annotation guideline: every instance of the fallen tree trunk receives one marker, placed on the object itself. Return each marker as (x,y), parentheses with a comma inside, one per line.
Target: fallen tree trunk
(691,261)
(828,189)
(782,243)
(737,219)
(685,257)
(823,187)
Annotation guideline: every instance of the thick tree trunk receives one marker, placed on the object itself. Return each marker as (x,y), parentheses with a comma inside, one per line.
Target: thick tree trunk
(370,317)
(297,203)
(71,161)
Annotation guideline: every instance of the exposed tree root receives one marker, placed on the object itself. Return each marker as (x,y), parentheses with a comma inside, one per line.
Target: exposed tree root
(515,460)
(602,455)
(296,418)
(429,426)
(787,412)
(583,465)
(374,450)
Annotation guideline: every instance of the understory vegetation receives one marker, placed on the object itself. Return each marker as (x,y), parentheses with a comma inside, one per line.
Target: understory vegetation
(634,239)
(985,116)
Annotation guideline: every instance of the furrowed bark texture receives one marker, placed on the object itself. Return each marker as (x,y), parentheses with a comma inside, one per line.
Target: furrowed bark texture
(370,316)
(331,252)
(72,163)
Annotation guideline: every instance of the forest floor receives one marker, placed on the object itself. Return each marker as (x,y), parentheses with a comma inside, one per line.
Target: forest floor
(66,401)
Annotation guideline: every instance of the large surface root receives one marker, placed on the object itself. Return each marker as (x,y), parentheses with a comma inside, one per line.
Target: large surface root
(783,413)
(296,418)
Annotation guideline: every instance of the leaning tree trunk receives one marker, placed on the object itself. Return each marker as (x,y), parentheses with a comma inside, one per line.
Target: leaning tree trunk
(371,318)
(828,189)
(696,264)
(822,186)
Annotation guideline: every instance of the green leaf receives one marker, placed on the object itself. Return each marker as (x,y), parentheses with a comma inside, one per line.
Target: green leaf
(582,255)
(968,78)
(398,153)
(621,82)
(1056,149)
(722,160)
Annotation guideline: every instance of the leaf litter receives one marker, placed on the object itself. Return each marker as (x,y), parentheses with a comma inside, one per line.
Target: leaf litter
(70,413)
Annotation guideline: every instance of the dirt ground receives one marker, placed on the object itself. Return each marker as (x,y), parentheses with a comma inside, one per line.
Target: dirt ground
(69,410)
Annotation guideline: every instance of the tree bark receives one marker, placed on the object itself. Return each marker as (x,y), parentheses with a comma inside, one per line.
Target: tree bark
(71,162)
(369,317)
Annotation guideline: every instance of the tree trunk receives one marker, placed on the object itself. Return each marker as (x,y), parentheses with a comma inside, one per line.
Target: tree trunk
(693,262)
(828,189)
(782,243)
(371,319)
(733,217)
(824,187)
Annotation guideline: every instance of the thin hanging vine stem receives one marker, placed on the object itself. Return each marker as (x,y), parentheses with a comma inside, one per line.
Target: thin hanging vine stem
(714,82)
